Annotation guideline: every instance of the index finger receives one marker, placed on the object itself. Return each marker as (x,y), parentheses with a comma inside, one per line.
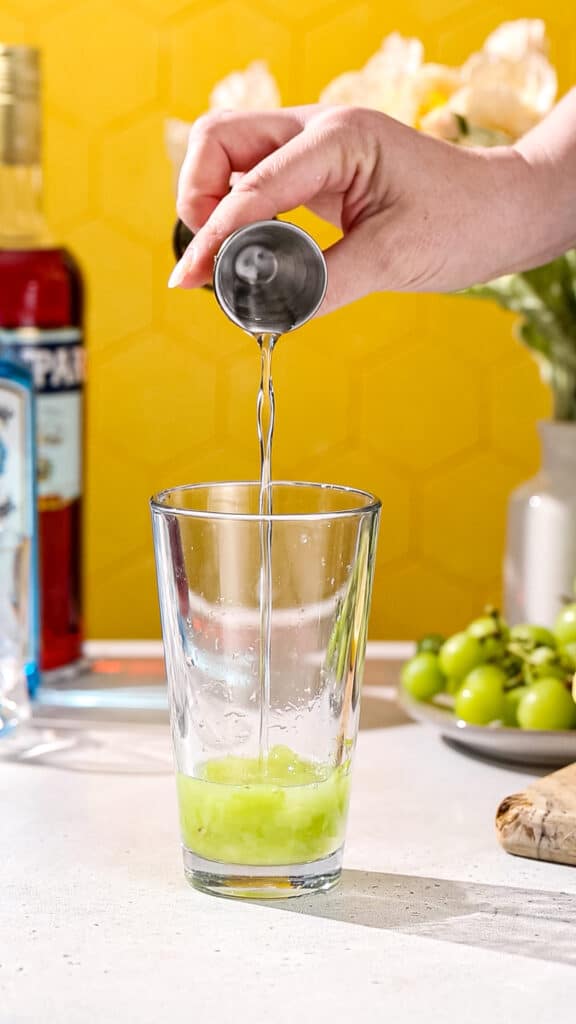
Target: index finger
(291,176)
(219,145)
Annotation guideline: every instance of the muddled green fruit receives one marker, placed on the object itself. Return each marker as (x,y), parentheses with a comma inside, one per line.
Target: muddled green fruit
(281,811)
(532,636)
(512,699)
(547,704)
(460,654)
(480,700)
(565,625)
(421,676)
(432,643)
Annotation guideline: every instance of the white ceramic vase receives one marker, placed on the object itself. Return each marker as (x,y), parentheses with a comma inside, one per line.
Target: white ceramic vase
(540,558)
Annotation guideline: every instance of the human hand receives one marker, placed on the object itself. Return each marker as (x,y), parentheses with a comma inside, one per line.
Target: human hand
(416,214)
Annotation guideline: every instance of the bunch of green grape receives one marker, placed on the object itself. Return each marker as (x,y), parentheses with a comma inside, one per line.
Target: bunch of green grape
(523,676)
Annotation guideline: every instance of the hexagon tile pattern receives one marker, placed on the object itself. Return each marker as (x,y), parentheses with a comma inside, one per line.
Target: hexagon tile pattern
(426,400)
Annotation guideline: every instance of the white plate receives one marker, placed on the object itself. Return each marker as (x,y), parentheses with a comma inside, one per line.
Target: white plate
(535,747)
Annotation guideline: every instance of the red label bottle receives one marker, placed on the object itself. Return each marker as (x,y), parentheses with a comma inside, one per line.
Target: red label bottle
(41,319)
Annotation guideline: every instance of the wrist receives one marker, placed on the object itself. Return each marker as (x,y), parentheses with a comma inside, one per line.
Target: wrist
(519,211)
(548,154)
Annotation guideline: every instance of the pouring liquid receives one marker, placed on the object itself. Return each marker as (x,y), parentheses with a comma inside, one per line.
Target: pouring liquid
(265,409)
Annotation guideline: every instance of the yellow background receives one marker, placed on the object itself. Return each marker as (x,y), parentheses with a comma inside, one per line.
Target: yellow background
(426,400)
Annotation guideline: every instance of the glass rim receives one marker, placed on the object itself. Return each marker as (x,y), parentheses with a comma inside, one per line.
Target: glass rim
(158,505)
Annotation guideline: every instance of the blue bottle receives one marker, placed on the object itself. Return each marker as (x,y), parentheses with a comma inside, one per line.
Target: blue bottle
(19,582)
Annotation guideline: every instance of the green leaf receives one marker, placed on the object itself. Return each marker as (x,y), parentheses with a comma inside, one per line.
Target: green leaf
(539,344)
(545,299)
(462,124)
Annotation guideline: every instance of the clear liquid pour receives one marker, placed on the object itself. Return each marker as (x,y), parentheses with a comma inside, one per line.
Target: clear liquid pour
(265,423)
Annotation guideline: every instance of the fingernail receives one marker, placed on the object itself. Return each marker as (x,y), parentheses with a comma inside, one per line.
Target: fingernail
(178,274)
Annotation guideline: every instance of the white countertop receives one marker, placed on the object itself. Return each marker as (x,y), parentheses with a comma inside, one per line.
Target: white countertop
(433,922)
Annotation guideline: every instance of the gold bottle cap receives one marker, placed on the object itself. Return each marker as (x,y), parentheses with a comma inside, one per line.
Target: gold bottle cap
(19,104)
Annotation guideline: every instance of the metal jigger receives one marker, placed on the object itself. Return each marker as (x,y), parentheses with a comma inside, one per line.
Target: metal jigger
(270,277)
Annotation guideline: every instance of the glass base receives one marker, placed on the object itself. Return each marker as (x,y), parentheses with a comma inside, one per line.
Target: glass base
(243,881)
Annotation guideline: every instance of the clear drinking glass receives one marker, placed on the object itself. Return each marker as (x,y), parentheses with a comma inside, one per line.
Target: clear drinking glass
(264,711)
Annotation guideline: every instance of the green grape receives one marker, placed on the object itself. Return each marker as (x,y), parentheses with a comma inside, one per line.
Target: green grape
(494,648)
(512,699)
(460,654)
(421,676)
(480,700)
(532,636)
(513,666)
(568,654)
(492,632)
(431,642)
(488,626)
(543,662)
(547,704)
(565,625)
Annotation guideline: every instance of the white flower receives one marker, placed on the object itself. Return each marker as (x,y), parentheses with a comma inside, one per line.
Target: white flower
(434,84)
(444,123)
(176,141)
(502,91)
(386,82)
(496,108)
(252,89)
(510,85)
(513,40)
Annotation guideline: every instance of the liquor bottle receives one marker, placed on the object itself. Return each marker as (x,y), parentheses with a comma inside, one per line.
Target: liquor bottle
(41,322)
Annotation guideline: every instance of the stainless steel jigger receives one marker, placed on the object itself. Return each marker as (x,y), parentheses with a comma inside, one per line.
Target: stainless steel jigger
(270,277)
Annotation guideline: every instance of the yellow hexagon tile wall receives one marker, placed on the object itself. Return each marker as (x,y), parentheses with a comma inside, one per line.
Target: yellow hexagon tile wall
(481,335)
(457,525)
(119,278)
(209,41)
(167,420)
(417,592)
(101,60)
(68,157)
(119,521)
(341,41)
(134,190)
(427,410)
(12,27)
(428,401)
(517,398)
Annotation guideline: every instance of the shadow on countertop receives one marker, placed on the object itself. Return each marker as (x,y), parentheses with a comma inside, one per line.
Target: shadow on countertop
(524,922)
(381,713)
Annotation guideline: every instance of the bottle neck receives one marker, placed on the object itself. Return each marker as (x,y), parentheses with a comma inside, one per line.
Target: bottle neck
(22,224)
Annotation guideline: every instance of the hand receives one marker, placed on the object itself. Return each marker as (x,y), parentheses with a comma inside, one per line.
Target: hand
(417,214)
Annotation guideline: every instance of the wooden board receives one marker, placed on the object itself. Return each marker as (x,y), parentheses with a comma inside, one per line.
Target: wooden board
(541,822)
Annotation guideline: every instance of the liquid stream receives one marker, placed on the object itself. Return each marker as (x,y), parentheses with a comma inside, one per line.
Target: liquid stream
(265,424)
